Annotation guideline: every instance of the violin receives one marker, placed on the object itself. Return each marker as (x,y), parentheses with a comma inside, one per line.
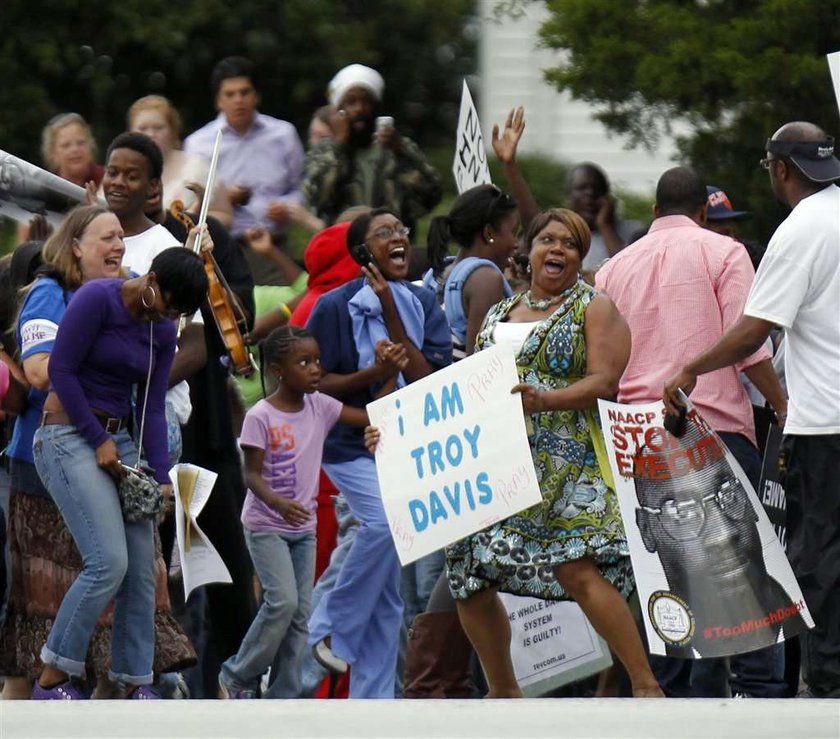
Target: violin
(227,312)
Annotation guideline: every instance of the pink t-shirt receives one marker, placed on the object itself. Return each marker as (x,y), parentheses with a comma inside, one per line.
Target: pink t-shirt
(293,445)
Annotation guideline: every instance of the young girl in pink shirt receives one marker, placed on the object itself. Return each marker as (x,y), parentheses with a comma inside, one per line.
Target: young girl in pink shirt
(282,440)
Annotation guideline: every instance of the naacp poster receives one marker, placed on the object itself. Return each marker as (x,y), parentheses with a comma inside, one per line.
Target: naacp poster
(712,575)
(453,456)
(552,644)
(27,190)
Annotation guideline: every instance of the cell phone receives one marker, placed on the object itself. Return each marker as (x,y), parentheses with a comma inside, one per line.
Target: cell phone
(676,424)
(361,254)
(384,121)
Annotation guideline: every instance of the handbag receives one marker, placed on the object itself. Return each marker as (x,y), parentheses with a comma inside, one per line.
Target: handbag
(140,495)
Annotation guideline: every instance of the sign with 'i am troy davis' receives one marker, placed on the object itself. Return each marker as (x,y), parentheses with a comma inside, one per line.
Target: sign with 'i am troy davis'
(453,456)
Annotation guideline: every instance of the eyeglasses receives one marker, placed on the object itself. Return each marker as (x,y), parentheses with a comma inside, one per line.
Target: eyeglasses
(174,314)
(567,242)
(767,161)
(684,520)
(387,232)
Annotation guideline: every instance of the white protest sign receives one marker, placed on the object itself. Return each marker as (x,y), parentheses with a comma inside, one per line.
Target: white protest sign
(552,644)
(200,562)
(712,577)
(470,164)
(834,68)
(453,455)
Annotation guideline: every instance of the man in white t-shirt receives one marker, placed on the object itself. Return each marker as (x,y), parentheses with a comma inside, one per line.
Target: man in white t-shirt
(797,286)
(134,165)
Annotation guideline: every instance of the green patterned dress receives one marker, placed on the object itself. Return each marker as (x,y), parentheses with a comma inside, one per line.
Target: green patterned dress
(579,515)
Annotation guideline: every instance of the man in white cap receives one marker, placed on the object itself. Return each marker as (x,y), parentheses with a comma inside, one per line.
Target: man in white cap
(365,163)
(797,286)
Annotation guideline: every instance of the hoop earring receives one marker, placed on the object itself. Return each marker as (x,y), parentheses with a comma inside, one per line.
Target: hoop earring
(146,305)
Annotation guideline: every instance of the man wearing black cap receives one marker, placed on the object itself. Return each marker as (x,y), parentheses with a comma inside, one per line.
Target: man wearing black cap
(798,286)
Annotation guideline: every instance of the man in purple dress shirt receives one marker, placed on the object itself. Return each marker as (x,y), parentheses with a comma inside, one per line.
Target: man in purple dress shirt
(261,159)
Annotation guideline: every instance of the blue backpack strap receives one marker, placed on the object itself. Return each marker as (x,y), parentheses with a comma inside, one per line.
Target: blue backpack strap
(453,299)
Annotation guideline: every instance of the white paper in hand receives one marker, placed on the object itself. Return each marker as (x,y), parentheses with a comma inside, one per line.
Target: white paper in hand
(200,562)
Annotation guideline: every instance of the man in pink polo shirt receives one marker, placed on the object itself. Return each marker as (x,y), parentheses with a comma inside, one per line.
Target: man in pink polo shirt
(679,288)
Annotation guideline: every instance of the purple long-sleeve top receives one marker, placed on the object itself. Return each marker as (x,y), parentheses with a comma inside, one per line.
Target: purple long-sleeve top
(100,352)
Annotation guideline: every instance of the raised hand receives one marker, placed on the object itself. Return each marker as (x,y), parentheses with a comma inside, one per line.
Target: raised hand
(505,145)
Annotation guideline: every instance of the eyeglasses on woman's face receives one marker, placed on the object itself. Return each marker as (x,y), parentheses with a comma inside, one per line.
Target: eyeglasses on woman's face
(387,232)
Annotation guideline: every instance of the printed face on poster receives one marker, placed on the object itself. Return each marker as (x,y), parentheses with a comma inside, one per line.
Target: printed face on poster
(713,578)
(453,456)
(552,644)
(470,164)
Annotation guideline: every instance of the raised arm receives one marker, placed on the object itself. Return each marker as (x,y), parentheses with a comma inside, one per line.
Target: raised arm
(505,146)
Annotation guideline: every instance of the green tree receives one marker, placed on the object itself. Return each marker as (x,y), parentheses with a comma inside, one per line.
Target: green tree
(97,58)
(734,69)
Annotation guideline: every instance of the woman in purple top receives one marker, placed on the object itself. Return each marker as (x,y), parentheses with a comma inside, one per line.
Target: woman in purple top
(108,336)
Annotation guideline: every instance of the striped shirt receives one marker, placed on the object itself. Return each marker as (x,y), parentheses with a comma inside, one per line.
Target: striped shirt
(680,288)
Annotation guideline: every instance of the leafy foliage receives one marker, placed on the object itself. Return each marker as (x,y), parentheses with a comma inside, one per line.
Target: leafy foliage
(735,69)
(97,58)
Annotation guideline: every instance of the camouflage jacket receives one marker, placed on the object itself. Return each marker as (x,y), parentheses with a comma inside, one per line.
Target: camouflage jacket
(404,182)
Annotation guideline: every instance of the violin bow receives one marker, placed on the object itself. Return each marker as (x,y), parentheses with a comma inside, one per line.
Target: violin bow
(205,206)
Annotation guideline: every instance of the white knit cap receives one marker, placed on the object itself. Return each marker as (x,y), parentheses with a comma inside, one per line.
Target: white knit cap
(355,75)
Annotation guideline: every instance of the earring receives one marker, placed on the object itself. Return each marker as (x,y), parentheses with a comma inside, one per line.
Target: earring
(490,240)
(528,268)
(146,305)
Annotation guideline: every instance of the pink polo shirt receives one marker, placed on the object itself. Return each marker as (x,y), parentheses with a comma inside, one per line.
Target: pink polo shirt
(680,288)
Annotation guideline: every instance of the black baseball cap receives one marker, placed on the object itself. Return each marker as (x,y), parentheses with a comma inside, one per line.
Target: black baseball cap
(815,159)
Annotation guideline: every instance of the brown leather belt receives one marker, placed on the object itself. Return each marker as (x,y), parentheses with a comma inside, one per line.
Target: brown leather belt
(110,424)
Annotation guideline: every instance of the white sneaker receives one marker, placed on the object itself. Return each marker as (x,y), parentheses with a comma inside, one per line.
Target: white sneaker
(326,658)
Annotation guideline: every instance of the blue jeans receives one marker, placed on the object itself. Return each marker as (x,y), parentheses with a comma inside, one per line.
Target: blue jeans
(285,565)
(313,672)
(117,556)
(363,611)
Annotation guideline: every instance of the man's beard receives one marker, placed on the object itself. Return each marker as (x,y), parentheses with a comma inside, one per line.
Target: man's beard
(361,136)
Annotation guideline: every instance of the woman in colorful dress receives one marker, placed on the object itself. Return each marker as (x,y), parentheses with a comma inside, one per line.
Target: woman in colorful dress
(571,347)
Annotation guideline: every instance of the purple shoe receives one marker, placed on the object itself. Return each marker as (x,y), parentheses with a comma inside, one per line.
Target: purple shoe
(144,693)
(226,693)
(65,691)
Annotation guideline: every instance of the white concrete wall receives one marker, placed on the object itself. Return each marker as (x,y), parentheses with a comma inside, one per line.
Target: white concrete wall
(511,74)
